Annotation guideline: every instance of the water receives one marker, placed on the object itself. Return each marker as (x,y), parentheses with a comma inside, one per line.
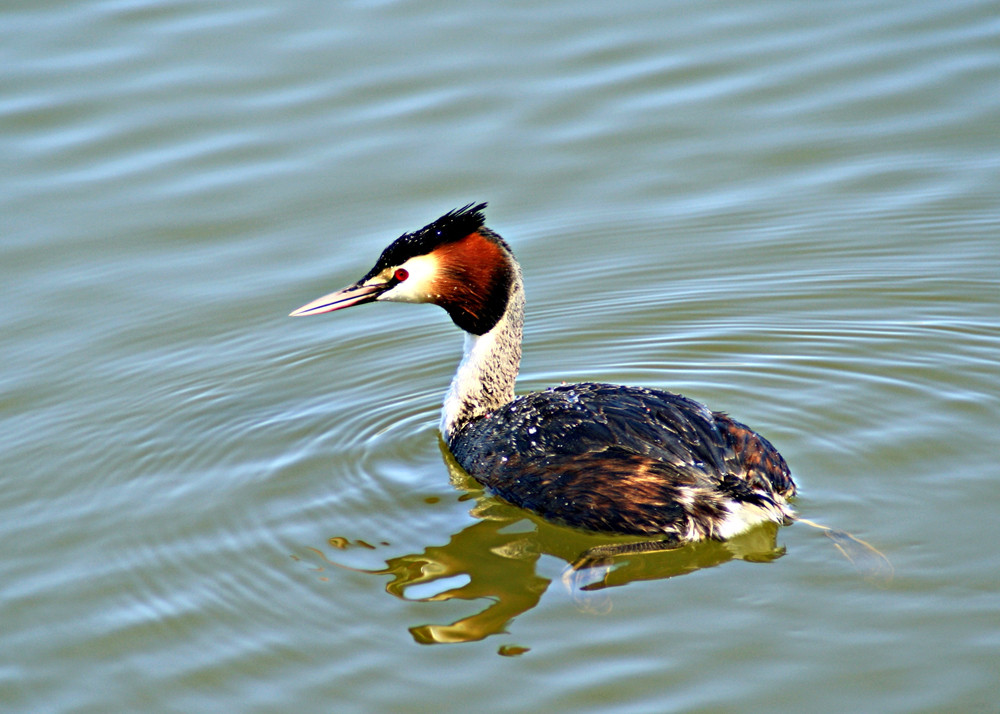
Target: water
(788,211)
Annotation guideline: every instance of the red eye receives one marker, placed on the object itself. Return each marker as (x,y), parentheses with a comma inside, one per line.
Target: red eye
(401,274)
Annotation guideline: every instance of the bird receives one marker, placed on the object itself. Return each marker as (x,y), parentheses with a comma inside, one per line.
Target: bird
(605,458)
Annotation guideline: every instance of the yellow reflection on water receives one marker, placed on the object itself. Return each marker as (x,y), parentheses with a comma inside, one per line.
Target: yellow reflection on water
(495,560)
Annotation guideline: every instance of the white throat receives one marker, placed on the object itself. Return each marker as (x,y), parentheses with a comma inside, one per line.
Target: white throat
(485,378)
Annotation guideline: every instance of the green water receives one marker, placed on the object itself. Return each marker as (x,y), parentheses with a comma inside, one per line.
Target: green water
(788,211)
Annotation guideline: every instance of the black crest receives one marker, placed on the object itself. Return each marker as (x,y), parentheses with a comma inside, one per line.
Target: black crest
(452,226)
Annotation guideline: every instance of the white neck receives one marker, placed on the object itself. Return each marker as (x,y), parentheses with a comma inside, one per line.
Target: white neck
(485,378)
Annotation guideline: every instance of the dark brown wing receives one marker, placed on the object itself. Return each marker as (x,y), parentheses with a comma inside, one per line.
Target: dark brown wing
(620,459)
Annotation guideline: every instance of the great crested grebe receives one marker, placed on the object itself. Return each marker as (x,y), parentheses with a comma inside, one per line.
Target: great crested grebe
(602,457)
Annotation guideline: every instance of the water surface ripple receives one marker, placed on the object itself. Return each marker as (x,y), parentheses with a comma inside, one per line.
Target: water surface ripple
(788,211)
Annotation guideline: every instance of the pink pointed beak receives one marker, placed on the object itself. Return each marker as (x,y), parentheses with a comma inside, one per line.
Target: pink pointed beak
(349,296)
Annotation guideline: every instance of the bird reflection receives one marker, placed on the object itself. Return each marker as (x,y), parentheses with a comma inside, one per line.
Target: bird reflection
(496,560)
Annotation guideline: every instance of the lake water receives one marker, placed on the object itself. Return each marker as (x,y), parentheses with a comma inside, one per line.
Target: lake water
(789,211)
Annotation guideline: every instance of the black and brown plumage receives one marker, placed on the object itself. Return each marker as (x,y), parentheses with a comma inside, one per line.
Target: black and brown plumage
(602,457)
